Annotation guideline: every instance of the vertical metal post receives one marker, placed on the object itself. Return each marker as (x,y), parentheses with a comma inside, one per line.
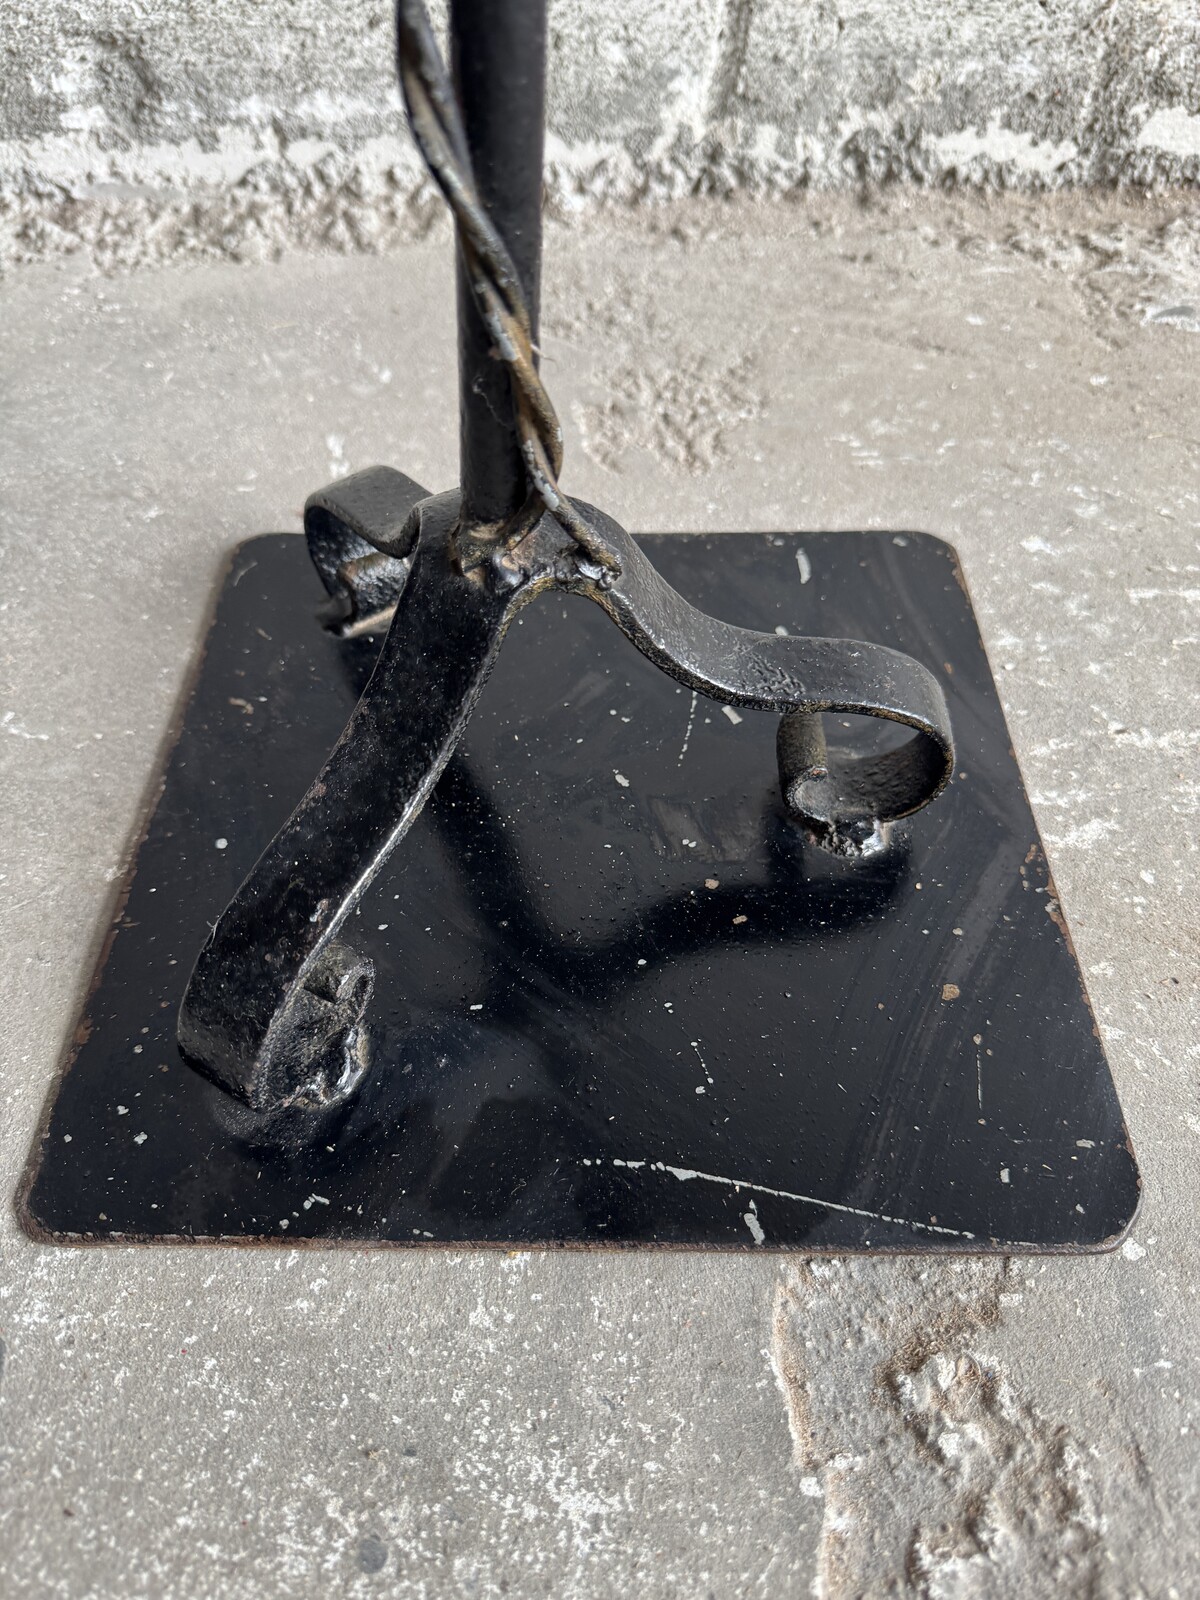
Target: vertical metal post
(498,61)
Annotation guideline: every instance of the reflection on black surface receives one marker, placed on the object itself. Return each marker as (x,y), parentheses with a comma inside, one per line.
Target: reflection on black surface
(785,1028)
(793,904)
(473,1114)
(474,1152)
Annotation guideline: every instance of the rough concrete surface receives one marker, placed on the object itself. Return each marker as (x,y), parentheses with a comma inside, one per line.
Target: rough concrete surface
(1020,377)
(146,130)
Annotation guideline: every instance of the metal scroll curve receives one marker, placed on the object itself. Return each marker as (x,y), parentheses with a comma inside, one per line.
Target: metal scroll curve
(273,1006)
(846,799)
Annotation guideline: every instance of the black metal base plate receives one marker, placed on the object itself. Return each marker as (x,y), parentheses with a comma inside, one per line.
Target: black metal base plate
(619,999)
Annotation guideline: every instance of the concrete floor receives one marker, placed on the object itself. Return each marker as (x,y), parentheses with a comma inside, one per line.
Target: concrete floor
(1018,377)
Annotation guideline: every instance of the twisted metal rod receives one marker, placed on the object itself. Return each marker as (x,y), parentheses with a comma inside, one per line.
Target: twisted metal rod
(433,116)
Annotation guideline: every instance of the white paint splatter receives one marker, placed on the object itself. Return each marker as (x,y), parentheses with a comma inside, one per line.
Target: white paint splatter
(731,714)
(695,1044)
(805,566)
(689,1175)
(687,736)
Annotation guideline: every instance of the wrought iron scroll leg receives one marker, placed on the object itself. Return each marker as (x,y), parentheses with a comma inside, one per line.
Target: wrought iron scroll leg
(274,1008)
(361,534)
(847,801)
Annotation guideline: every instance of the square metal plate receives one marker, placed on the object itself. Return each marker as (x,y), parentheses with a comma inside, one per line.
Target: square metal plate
(619,999)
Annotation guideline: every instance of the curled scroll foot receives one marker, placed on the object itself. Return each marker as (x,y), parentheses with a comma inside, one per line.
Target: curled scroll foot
(313,1052)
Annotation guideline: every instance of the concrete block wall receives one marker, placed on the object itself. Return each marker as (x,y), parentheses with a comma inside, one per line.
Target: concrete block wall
(149,130)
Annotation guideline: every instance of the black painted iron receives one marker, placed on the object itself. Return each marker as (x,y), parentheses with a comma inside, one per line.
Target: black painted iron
(498,61)
(316,1036)
(620,998)
(276,1003)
